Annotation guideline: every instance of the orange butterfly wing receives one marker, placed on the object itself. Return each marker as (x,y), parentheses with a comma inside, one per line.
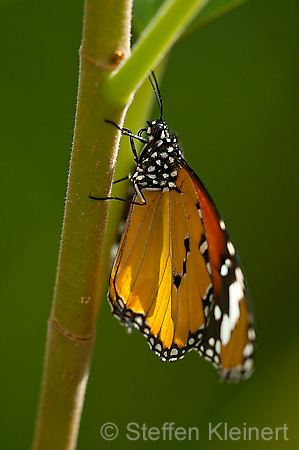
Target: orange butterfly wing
(229,338)
(160,282)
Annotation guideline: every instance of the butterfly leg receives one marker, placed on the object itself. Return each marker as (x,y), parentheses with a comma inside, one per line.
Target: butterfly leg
(116,198)
(128,132)
(121,179)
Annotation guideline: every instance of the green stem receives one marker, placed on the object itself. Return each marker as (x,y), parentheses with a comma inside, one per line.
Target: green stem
(71,327)
(156,40)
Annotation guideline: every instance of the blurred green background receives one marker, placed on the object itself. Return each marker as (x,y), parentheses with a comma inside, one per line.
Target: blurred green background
(230,91)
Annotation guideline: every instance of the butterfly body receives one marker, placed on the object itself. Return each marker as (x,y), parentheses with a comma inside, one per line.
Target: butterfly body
(176,276)
(158,163)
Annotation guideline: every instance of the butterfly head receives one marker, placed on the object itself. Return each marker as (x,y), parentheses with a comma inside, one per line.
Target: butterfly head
(157,130)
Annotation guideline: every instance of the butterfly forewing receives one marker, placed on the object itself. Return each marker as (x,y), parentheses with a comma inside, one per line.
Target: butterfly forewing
(129,279)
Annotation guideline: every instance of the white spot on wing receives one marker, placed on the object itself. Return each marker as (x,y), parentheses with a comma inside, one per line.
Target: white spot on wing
(203,247)
(209,268)
(248,364)
(217,312)
(138,320)
(248,350)
(222,224)
(223,270)
(239,275)
(231,248)
(251,334)
(158,347)
(225,330)
(236,293)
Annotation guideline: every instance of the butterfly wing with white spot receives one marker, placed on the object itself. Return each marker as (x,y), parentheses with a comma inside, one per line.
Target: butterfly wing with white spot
(228,341)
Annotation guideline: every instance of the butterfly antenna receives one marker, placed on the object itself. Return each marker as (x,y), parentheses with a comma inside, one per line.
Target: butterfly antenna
(157,92)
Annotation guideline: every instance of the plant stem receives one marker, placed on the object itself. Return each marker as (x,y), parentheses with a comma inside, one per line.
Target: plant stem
(155,41)
(72,323)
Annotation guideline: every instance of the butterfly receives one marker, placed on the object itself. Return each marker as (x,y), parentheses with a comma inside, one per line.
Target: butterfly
(176,275)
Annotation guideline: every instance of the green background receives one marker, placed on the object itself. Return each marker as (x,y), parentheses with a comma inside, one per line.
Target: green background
(230,91)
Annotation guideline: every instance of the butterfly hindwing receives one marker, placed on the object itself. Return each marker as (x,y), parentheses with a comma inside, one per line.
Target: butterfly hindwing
(229,337)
